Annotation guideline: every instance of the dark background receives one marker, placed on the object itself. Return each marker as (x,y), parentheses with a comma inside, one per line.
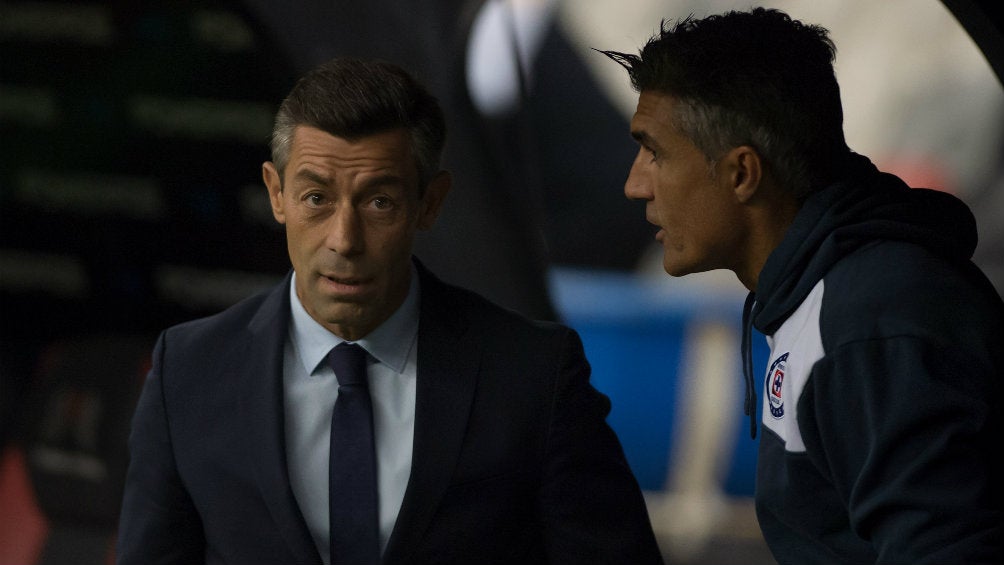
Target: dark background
(132,136)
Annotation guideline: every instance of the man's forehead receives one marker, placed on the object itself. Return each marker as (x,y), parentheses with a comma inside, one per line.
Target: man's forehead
(392,135)
(655,105)
(390,147)
(654,113)
(644,126)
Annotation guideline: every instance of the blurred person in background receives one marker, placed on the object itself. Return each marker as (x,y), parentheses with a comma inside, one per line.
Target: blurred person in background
(490,445)
(882,398)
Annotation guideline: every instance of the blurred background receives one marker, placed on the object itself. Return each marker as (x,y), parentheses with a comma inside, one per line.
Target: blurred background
(130,200)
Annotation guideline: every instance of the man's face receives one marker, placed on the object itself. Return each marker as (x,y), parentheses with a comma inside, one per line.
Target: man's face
(351,210)
(697,213)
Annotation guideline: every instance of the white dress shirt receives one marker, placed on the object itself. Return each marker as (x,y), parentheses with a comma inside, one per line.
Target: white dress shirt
(310,390)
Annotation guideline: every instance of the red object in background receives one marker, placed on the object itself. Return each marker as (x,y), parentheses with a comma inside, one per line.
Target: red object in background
(23,528)
(919,171)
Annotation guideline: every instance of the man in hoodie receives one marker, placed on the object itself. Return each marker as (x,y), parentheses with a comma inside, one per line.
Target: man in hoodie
(882,397)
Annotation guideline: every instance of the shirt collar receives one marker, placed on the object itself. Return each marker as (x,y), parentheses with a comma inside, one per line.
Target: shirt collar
(389,343)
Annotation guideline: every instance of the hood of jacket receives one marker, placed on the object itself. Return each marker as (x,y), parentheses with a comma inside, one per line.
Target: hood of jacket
(866,206)
(863,207)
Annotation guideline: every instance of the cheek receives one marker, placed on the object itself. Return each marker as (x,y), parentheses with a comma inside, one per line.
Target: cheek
(294,235)
(303,239)
(670,199)
(395,247)
(686,215)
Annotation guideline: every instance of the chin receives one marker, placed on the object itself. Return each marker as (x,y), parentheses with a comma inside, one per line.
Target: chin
(677,274)
(678,270)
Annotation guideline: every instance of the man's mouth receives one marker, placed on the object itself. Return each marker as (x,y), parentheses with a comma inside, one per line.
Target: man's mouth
(343,280)
(344,285)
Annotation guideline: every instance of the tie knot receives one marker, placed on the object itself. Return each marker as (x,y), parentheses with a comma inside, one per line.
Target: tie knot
(349,363)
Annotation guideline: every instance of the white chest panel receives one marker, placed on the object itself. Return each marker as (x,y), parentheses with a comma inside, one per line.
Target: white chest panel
(794,349)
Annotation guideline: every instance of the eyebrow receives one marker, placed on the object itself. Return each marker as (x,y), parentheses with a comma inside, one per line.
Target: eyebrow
(384,179)
(641,136)
(646,140)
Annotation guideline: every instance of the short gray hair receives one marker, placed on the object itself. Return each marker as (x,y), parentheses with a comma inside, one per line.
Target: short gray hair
(756,78)
(351,98)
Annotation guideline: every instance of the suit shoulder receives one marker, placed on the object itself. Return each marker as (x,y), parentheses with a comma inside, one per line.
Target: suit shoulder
(484,313)
(211,329)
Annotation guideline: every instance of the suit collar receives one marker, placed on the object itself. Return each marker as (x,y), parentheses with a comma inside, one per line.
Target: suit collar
(262,406)
(448,356)
(448,359)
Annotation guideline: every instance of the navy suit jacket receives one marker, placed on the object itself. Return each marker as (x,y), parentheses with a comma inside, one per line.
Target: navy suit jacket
(513,460)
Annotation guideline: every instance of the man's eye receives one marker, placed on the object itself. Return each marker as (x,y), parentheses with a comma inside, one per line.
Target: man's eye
(382,203)
(314,199)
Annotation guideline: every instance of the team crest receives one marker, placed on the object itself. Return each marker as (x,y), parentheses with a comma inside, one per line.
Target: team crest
(775,378)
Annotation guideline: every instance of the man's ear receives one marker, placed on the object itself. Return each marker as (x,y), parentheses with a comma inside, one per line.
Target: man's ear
(745,170)
(273,182)
(432,199)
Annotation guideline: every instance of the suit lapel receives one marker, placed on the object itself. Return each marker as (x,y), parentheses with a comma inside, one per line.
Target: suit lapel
(448,357)
(263,415)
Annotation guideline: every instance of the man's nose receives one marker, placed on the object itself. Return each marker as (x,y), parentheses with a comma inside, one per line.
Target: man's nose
(345,233)
(638,184)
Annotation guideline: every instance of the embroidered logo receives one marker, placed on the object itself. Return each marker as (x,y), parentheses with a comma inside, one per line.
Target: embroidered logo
(775,377)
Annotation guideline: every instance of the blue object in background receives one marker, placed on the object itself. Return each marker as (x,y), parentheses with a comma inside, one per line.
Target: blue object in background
(634,333)
(634,363)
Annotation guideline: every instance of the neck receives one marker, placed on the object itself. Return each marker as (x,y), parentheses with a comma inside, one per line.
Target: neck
(769,224)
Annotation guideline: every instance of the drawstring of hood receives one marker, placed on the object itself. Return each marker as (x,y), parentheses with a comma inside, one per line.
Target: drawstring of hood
(747,354)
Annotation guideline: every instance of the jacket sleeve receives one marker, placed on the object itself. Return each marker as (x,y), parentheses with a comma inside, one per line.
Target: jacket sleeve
(902,428)
(592,507)
(159,524)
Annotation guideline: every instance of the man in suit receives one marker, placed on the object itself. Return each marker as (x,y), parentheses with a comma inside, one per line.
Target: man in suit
(482,440)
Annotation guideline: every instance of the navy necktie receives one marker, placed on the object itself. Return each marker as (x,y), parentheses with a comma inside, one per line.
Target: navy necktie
(352,490)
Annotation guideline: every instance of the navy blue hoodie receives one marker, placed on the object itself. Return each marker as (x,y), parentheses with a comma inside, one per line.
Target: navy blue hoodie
(881,402)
